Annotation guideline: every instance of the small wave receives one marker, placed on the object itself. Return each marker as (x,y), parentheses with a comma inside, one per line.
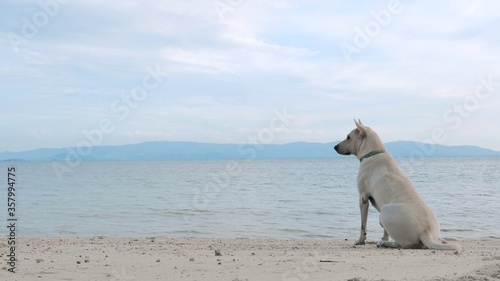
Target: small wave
(183,233)
(290,230)
(65,230)
(87,216)
(457,230)
(319,236)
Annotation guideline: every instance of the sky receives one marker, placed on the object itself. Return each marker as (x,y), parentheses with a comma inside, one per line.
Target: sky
(76,73)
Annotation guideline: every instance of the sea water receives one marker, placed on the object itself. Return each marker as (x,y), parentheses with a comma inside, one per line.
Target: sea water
(280,198)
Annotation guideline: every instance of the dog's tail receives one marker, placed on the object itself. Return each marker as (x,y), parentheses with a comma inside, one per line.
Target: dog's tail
(429,242)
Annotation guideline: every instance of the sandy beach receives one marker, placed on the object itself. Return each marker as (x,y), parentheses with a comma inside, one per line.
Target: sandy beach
(165,258)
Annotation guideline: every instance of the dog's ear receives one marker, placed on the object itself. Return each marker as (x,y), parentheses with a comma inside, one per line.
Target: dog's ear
(361,128)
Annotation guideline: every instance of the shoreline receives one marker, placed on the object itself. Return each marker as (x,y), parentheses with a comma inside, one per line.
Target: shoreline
(237,259)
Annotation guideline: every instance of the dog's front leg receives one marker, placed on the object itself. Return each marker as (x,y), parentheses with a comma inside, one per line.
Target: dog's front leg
(363,206)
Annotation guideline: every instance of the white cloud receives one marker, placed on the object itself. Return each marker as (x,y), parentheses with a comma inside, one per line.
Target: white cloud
(228,73)
(201,61)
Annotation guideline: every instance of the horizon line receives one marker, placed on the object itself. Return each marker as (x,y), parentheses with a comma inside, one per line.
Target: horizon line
(225,143)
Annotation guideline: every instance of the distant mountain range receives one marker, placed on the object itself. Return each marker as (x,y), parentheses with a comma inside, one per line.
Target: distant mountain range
(168,150)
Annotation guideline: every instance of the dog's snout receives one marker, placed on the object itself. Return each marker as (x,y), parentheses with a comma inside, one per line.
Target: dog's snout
(340,150)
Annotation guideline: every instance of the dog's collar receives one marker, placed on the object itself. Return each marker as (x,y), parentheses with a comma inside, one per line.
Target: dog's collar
(371,154)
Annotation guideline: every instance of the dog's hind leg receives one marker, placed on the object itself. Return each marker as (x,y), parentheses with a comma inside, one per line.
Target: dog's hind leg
(388,244)
(386,235)
(400,225)
(384,241)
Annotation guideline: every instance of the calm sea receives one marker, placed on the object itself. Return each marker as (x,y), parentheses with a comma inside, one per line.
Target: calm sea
(300,198)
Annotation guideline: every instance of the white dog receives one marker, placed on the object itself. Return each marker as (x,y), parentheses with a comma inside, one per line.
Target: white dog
(403,213)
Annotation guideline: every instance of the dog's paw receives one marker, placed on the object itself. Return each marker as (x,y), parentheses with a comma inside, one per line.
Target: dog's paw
(359,242)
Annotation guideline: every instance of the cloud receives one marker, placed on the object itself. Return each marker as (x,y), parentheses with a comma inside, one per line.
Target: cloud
(204,61)
(228,72)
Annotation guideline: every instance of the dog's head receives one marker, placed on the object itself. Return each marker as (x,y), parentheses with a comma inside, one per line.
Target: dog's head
(359,141)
